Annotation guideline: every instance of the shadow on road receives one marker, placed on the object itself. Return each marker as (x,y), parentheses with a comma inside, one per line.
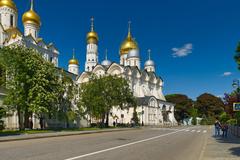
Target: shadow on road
(235,151)
(228,141)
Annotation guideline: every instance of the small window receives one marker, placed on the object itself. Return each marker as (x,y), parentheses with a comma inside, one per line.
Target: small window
(11,20)
(51,59)
(92,59)
(92,67)
(88,68)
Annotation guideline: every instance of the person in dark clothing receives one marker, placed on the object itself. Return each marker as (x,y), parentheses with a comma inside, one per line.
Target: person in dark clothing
(224,130)
(217,125)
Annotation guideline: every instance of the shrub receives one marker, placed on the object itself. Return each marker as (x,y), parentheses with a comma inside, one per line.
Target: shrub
(232,122)
(207,121)
(224,117)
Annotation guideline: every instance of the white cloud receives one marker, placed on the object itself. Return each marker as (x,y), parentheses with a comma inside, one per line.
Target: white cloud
(225,74)
(183,51)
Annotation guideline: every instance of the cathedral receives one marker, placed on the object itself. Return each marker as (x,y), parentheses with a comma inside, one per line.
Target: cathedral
(153,109)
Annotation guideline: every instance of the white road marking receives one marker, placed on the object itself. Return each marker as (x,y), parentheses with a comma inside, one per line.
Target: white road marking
(205,131)
(187,130)
(193,131)
(198,131)
(165,129)
(124,145)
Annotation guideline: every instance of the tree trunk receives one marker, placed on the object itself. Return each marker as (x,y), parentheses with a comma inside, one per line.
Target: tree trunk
(20,119)
(26,119)
(102,122)
(107,119)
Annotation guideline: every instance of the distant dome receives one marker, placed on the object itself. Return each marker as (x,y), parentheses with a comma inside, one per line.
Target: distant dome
(133,53)
(128,44)
(106,62)
(73,61)
(92,36)
(149,63)
(31,17)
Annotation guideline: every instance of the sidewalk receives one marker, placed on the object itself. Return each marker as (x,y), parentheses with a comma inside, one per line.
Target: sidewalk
(58,134)
(218,148)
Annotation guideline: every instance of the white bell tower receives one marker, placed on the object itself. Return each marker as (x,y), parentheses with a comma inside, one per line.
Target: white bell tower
(92,49)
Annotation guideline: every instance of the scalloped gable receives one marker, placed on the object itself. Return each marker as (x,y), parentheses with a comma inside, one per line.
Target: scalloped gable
(53,48)
(30,39)
(41,43)
(113,68)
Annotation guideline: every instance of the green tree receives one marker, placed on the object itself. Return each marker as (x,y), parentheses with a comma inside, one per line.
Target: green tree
(182,107)
(66,98)
(100,95)
(32,83)
(2,75)
(209,105)
(2,114)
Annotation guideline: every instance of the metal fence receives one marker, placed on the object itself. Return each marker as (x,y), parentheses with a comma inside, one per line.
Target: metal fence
(235,130)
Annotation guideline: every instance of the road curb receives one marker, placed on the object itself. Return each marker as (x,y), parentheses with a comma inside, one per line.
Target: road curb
(59,134)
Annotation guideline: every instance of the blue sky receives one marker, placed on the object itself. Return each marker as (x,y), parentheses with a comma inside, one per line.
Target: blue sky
(204,33)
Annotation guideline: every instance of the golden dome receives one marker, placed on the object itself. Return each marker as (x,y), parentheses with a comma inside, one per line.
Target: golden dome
(31,17)
(129,43)
(73,60)
(8,3)
(92,36)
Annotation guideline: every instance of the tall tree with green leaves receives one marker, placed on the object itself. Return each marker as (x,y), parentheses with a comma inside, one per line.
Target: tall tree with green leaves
(183,105)
(209,105)
(32,83)
(66,99)
(101,94)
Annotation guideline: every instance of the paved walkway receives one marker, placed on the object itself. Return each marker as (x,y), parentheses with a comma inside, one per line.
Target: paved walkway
(57,134)
(218,148)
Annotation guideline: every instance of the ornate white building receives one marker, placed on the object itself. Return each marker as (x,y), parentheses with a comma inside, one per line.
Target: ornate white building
(146,85)
(10,33)
(153,109)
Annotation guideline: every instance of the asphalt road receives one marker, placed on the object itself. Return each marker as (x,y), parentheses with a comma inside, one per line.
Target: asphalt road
(144,144)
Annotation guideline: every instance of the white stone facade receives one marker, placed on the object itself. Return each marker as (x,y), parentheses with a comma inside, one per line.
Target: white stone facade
(146,87)
(11,35)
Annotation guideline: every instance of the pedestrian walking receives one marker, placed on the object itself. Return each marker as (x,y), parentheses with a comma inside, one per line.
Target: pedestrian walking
(224,130)
(217,125)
